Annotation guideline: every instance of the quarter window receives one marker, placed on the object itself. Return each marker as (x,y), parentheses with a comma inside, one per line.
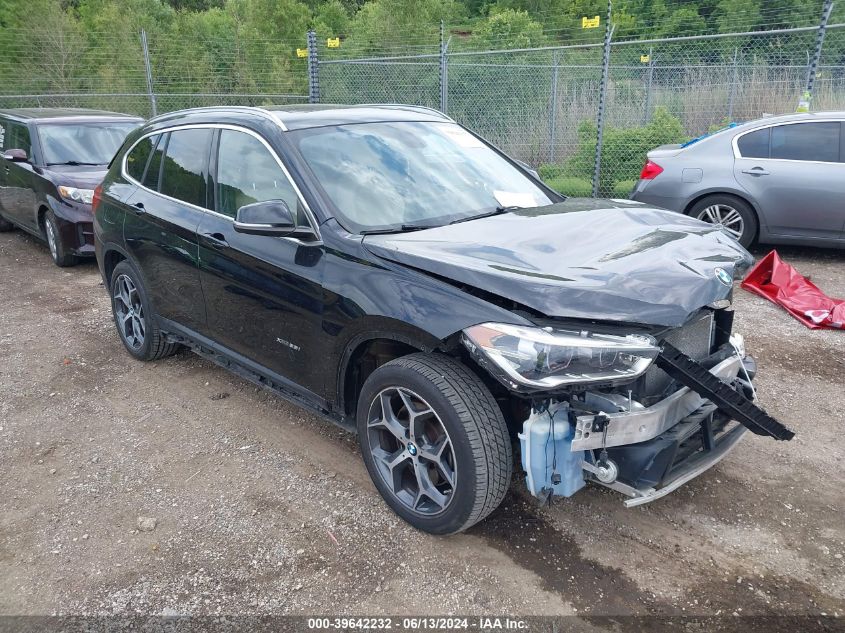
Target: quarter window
(136,161)
(247,172)
(755,144)
(185,168)
(806,141)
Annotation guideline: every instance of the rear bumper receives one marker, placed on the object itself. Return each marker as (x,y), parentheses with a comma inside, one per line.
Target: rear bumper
(642,194)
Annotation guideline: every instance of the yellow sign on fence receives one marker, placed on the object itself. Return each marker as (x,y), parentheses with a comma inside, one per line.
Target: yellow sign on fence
(302,52)
(590,23)
(645,58)
(333,42)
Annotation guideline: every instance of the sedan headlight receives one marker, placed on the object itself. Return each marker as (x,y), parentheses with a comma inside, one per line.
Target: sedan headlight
(77,195)
(539,359)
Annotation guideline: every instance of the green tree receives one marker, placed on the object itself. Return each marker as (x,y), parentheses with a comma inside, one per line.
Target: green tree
(509,28)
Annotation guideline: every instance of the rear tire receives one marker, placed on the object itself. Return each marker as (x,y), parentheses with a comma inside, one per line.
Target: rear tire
(58,251)
(453,467)
(134,317)
(6,226)
(735,215)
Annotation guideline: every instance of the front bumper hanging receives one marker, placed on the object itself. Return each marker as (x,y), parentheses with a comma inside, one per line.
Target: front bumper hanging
(648,453)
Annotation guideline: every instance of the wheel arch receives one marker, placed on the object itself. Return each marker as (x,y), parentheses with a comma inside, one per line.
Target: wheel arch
(732,193)
(373,346)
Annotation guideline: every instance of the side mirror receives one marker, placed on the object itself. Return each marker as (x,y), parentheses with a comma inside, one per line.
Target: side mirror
(528,168)
(272,217)
(15,155)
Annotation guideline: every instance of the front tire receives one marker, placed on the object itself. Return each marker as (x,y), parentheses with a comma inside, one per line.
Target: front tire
(61,257)
(735,216)
(134,317)
(434,442)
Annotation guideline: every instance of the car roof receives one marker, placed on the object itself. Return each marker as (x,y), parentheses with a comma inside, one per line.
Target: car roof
(789,118)
(55,114)
(299,116)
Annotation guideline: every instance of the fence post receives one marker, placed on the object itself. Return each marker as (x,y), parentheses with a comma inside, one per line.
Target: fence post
(605,71)
(313,69)
(732,96)
(553,109)
(649,82)
(444,71)
(149,72)
(817,53)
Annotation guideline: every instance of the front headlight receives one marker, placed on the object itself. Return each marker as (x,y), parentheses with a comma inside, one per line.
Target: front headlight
(538,359)
(77,195)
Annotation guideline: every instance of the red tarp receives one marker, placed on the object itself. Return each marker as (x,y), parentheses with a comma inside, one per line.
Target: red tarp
(780,283)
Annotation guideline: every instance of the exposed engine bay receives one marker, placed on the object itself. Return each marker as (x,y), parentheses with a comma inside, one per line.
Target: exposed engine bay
(647,438)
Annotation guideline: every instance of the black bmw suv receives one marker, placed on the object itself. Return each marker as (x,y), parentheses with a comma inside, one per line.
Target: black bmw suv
(50,161)
(392,271)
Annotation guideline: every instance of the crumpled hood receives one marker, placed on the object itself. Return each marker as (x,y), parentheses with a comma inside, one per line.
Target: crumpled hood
(582,258)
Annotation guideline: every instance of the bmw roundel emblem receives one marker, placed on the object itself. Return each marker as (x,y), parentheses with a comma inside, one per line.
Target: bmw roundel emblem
(724,276)
(412,449)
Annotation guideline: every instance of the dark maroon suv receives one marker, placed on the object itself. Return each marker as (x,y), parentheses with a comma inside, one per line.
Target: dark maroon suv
(50,162)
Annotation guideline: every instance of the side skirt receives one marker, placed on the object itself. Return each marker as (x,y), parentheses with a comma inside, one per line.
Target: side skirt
(253,372)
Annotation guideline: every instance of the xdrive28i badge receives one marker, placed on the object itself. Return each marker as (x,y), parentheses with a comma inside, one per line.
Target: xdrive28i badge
(724,276)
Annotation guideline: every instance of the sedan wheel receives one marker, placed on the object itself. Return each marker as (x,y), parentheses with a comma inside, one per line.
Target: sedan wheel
(412,450)
(725,217)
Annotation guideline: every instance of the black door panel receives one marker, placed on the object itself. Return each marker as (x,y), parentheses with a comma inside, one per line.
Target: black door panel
(161,231)
(263,294)
(264,298)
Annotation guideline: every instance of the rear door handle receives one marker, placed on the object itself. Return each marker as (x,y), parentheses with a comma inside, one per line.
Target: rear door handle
(757,171)
(217,238)
(138,207)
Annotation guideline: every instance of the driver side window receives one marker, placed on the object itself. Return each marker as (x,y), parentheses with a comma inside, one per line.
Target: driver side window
(247,172)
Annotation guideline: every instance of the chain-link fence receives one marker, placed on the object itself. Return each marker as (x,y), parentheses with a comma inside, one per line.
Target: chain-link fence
(58,65)
(544,105)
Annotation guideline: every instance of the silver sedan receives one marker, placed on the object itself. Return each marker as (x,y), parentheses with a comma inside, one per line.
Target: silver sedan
(778,180)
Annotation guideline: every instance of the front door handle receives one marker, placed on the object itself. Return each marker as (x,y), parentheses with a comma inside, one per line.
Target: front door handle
(757,171)
(217,238)
(138,207)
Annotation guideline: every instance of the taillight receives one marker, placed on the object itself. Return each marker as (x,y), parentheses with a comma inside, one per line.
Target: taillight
(95,200)
(650,170)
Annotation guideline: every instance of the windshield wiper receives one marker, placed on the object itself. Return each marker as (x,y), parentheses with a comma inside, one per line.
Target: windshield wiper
(496,211)
(404,228)
(75,163)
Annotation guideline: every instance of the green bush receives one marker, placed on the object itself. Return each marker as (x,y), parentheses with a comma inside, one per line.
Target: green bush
(568,186)
(623,188)
(623,153)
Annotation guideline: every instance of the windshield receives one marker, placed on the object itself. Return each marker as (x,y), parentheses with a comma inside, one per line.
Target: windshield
(383,176)
(84,144)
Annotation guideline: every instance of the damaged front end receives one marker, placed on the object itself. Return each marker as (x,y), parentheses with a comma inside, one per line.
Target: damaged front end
(639,413)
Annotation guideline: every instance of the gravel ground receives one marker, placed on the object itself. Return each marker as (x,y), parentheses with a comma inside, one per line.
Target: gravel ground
(177,488)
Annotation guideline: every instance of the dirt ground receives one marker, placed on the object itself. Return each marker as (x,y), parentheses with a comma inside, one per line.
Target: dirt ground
(261,508)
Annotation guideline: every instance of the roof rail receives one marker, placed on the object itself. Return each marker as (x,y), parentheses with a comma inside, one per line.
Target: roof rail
(410,107)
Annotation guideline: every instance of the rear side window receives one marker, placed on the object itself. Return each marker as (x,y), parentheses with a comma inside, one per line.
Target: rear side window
(806,141)
(137,159)
(754,144)
(185,169)
(247,172)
